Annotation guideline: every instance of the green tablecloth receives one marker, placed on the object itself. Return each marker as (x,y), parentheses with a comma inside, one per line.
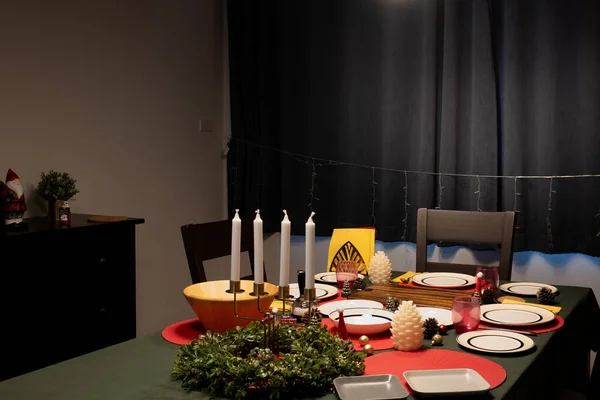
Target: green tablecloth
(140,368)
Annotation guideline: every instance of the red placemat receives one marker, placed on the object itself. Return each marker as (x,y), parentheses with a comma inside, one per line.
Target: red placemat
(397,362)
(543,328)
(382,341)
(183,332)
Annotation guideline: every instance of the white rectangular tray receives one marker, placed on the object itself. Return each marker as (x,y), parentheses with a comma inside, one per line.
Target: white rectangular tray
(372,387)
(446,382)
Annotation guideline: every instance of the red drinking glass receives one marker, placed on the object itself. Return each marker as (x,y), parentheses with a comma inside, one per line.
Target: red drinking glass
(465,314)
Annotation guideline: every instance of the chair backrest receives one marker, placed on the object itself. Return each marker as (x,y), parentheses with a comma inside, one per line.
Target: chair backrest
(465,227)
(203,242)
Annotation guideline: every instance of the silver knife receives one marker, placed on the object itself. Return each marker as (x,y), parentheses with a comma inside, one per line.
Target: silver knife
(508,330)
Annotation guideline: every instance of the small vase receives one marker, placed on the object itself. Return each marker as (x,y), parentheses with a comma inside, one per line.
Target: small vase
(52,209)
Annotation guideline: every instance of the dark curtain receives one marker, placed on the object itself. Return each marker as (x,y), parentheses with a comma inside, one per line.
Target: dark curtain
(450,87)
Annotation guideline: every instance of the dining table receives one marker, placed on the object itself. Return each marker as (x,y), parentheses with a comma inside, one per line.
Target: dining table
(141,368)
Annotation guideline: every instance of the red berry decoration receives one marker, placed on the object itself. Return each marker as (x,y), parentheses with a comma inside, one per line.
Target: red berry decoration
(442,329)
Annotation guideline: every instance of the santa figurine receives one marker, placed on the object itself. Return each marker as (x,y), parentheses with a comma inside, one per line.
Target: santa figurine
(12,199)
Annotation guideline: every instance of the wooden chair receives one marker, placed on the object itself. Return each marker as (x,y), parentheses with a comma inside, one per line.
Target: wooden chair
(465,227)
(203,242)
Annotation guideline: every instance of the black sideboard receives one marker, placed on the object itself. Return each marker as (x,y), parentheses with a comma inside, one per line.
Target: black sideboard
(64,291)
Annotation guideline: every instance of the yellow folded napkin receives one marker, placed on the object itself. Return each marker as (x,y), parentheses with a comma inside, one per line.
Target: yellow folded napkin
(406,277)
(277,304)
(554,309)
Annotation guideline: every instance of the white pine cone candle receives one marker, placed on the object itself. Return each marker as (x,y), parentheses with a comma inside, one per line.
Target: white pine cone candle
(380,269)
(407,327)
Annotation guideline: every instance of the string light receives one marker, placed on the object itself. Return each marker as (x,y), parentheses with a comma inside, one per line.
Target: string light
(327,162)
(478,193)
(515,204)
(549,216)
(374,199)
(406,205)
(313,176)
(440,192)
(321,162)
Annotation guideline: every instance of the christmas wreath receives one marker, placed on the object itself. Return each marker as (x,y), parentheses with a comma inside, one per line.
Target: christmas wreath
(233,364)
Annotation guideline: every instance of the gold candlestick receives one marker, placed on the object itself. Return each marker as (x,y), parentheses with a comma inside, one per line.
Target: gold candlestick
(284,296)
(310,294)
(235,287)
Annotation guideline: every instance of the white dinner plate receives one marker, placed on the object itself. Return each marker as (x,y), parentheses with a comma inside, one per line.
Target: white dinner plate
(321,291)
(348,304)
(442,315)
(525,288)
(495,341)
(329,277)
(364,321)
(444,279)
(435,382)
(515,314)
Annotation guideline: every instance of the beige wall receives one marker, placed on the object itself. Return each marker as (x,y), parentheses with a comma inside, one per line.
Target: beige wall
(112,91)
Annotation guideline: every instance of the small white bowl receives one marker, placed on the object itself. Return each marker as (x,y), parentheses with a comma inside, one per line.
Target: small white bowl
(364,321)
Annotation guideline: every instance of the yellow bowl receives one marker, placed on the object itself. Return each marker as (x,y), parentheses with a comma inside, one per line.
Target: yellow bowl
(214,306)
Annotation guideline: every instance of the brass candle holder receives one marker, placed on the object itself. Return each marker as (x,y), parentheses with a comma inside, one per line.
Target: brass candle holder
(269,322)
(284,297)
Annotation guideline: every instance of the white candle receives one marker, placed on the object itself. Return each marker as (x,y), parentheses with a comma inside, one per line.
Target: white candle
(284,255)
(236,235)
(258,249)
(309,266)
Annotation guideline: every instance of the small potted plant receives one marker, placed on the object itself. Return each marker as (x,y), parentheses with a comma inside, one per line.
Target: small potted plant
(56,188)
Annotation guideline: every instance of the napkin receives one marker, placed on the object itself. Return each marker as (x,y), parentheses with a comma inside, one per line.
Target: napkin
(554,309)
(406,277)
(278,304)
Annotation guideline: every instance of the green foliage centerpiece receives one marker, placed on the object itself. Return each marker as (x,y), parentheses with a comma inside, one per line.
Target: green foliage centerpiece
(234,364)
(56,188)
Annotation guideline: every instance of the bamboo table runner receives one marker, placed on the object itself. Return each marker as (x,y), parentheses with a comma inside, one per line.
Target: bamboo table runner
(420,295)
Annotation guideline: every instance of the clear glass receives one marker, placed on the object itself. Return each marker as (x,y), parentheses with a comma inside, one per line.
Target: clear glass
(490,279)
(465,314)
(346,271)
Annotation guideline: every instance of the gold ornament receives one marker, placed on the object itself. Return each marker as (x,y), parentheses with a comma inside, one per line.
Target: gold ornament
(407,327)
(369,349)
(436,340)
(380,269)
(363,340)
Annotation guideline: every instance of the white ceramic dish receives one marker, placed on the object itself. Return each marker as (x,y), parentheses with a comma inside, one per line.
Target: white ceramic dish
(525,288)
(371,387)
(442,315)
(322,291)
(515,314)
(495,341)
(459,381)
(444,279)
(329,277)
(332,306)
(364,321)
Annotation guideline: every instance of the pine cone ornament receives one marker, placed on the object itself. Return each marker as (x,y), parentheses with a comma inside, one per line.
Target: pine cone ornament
(430,326)
(312,317)
(380,269)
(360,283)
(346,289)
(391,304)
(545,295)
(487,296)
(407,327)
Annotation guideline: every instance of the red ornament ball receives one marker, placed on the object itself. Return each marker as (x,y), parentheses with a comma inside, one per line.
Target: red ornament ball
(442,329)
